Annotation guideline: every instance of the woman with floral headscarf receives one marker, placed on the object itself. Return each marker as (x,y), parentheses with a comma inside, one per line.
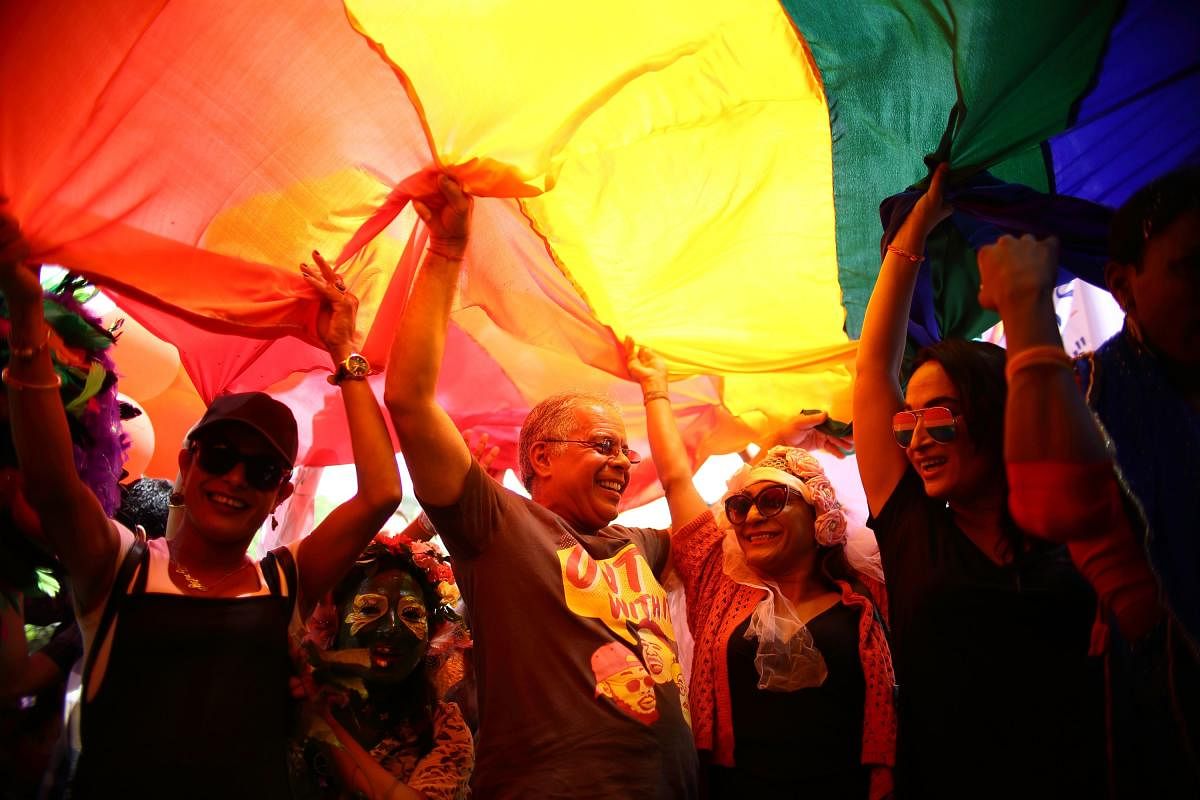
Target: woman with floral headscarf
(792,688)
(386,652)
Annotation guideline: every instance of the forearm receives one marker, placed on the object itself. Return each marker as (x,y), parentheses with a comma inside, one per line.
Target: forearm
(71,518)
(1046,417)
(885,324)
(670,455)
(362,772)
(374,459)
(420,342)
(434,451)
(38,421)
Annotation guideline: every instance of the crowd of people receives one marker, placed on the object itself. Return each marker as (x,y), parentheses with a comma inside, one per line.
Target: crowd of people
(1029,628)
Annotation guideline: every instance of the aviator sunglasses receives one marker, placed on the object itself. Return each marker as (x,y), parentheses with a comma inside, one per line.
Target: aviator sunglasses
(769,502)
(263,472)
(939,424)
(609,448)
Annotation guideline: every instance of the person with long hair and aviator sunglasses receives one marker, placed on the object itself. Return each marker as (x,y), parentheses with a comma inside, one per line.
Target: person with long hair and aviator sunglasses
(990,627)
(792,689)
(187,644)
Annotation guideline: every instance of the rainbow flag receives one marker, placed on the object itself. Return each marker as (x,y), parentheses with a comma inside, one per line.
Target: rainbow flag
(702,176)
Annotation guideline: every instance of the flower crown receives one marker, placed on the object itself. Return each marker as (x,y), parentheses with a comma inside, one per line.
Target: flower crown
(433,563)
(321,627)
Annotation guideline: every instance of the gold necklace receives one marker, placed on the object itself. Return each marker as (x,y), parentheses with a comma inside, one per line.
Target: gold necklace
(192,581)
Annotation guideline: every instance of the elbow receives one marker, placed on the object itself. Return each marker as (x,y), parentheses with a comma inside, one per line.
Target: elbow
(49,498)
(383,498)
(1063,502)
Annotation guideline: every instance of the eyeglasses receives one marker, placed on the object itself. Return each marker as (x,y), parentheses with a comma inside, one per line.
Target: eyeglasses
(769,502)
(606,447)
(263,472)
(939,424)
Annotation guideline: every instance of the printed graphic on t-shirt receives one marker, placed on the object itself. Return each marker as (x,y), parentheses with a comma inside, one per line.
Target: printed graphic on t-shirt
(658,654)
(623,593)
(621,678)
(615,590)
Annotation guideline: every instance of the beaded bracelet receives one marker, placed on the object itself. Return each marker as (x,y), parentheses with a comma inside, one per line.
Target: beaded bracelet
(913,257)
(657,394)
(1049,355)
(17,383)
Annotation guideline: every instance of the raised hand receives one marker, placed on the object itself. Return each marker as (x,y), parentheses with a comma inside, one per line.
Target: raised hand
(645,366)
(339,307)
(1016,271)
(930,210)
(447,214)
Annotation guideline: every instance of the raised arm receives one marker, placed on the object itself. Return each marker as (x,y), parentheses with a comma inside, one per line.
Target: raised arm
(1061,480)
(326,554)
(1046,418)
(666,445)
(434,451)
(72,519)
(877,394)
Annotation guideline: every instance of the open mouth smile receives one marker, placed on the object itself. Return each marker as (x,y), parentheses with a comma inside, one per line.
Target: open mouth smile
(227,501)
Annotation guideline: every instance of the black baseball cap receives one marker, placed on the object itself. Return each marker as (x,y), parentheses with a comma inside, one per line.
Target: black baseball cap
(259,411)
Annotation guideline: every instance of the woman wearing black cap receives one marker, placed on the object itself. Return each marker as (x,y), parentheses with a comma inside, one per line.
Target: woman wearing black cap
(187,643)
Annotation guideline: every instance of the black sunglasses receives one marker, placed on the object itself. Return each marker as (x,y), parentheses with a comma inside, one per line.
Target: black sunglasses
(769,502)
(263,472)
(609,448)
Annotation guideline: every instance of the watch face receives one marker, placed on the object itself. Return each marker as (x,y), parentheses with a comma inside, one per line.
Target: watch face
(357,365)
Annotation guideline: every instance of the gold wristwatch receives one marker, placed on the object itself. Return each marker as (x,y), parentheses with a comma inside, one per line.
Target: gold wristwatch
(353,367)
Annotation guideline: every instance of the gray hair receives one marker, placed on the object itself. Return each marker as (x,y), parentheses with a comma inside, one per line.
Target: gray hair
(554,418)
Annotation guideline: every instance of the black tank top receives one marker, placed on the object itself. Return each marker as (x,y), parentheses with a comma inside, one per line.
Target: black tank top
(194,700)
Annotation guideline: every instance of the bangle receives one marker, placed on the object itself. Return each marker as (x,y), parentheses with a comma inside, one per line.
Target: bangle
(657,394)
(27,353)
(1042,355)
(17,383)
(913,257)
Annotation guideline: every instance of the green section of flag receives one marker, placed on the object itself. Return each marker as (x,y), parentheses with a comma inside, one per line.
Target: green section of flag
(894,69)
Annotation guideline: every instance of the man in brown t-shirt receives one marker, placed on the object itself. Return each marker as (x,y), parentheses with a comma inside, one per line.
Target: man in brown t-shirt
(557,596)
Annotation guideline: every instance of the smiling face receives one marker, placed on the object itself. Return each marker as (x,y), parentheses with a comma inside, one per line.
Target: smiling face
(576,482)
(227,507)
(775,546)
(951,470)
(388,619)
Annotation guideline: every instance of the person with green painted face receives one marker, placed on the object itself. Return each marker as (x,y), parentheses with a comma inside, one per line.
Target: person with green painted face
(385,648)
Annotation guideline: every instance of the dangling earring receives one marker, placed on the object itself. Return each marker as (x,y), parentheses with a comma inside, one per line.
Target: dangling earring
(274,522)
(175,500)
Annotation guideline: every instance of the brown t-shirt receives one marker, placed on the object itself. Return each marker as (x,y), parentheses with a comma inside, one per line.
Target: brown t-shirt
(580,690)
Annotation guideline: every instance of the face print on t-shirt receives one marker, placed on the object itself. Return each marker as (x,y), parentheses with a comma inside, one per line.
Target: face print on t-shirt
(621,678)
(658,654)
